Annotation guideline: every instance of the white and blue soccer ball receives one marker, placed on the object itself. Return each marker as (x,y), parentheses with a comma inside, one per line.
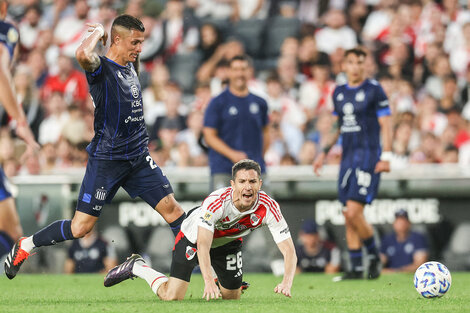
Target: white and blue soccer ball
(432,279)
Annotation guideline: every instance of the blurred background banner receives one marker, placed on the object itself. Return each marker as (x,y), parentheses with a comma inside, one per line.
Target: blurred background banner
(436,198)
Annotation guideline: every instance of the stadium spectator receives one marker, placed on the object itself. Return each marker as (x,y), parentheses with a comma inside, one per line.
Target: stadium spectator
(235,126)
(57,116)
(154,95)
(90,254)
(188,141)
(403,250)
(336,34)
(315,254)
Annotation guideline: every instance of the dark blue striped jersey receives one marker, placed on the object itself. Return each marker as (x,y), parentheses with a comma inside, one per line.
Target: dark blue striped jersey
(8,36)
(358,109)
(120,131)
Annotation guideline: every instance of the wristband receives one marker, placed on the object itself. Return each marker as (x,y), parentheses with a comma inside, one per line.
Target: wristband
(99,29)
(386,156)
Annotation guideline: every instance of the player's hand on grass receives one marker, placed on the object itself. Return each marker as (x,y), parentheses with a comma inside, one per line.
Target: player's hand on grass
(211,291)
(283,289)
(318,163)
(382,166)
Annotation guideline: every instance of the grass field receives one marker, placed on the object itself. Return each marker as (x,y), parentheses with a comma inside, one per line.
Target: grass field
(311,293)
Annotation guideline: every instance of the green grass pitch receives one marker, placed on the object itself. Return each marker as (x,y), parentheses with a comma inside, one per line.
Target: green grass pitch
(311,293)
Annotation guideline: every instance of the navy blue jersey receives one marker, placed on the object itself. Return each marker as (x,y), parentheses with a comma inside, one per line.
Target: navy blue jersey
(120,132)
(239,122)
(89,259)
(400,254)
(358,109)
(8,36)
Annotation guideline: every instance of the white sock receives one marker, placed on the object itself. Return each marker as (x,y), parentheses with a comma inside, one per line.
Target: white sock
(151,276)
(27,244)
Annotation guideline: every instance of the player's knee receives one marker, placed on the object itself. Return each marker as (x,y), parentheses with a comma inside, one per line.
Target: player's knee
(79,230)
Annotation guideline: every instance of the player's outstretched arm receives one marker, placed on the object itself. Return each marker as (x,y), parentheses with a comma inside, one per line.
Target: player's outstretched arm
(85,54)
(386,131)
(8,100)
(320,159)
(290,263)
(204,241)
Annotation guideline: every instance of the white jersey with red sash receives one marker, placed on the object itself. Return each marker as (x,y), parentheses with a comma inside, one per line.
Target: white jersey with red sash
(219,215)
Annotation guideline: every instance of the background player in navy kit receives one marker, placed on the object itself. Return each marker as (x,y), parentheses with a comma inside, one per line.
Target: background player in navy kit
(363,114)
(235,126)
(10,227)
(118,153)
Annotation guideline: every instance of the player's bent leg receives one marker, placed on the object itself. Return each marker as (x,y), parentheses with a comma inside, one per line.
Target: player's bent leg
(9,219)
(230,294)
(171,212)
(173,289)
(82,224)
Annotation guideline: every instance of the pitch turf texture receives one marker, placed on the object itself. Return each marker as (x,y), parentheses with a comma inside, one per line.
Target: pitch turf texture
(311,293)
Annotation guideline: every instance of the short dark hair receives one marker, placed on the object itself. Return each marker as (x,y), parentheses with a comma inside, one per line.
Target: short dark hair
(129,22)
(241,57)
(246,165)
(356,51)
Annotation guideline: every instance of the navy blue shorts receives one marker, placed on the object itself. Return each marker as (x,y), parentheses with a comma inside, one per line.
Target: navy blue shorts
(357,184)
(139,177)
(4,186)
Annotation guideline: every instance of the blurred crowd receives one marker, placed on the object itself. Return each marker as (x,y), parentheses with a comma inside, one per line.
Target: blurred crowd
(418,50)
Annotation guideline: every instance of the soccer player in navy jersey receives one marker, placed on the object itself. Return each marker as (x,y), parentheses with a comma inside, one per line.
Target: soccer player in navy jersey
(363,118)
(235,125)
(10,227)
(118,153)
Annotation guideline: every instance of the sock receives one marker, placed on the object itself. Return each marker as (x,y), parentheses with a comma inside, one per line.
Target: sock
(176,225)
(371,247)
(356,260)
(27,244)
(56,232)
(6,243)
(151,276)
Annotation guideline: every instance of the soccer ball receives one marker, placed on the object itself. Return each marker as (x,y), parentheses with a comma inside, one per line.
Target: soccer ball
(432,279)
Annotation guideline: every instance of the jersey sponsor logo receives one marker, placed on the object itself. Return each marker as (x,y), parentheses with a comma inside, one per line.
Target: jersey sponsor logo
(254,108)
(134,91)
(190,252)
(206,221)
(360,96)
(254,219)
(100,194)
(340,97)
(134,119)
(97,207)
(349,119)
(233,110)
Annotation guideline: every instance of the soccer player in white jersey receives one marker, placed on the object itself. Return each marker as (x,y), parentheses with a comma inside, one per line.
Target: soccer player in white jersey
(211,235)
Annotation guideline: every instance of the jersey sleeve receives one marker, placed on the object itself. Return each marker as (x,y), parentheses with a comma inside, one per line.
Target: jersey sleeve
(211,211)
(96,76)
(382,107)
(264,112)
(212,116)
(277,224)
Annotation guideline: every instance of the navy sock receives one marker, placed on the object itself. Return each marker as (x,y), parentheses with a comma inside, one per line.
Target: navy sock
(6,243)
(356,260)
(371,247)
(56,232)
(176,225)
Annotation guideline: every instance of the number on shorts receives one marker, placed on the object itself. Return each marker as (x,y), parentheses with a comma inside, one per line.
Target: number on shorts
(234,262)
(363,178)
(151,162)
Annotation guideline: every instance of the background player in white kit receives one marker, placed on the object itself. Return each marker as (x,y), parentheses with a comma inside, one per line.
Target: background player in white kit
(213,232)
